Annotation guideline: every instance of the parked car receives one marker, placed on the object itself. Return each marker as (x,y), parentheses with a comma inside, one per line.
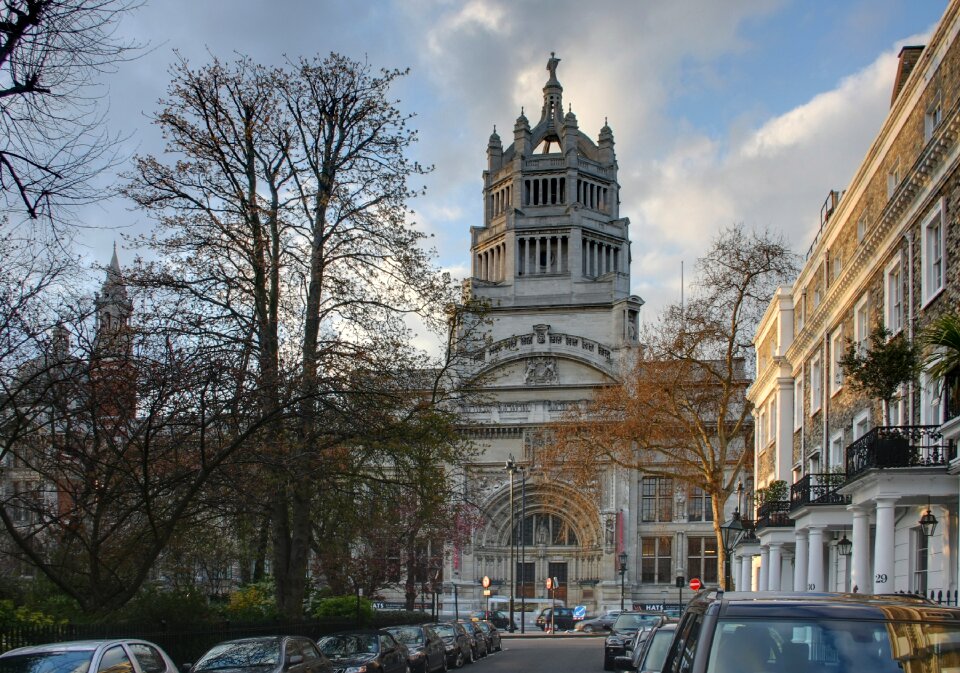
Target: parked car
(563,620)
(270,654)
(115,656)
(624,631)
(425,649)
(771,631)
(601,623)
(648,656)
(492,635)
(499,619)
(365,650)
(478,642)
(457,643)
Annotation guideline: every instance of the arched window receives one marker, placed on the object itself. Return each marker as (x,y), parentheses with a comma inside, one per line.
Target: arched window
(548,529)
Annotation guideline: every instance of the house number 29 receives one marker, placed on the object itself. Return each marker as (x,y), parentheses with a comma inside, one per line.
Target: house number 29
(881,578)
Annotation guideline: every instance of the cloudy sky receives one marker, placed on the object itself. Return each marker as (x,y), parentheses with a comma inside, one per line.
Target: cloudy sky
(723,111)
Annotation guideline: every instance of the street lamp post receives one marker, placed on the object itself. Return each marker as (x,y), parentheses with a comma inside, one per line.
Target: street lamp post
(730,531)
(623,574)
(523,550)
(511,467)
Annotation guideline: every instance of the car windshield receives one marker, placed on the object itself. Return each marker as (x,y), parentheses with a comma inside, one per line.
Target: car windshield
(657,650)
(444,630)
(349,645)
(242,654)
(839,646)
(75,661)
(408,635)
(634,622)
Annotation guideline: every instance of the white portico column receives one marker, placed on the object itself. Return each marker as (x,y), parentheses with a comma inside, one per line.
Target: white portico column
(746,573)
(776,558)
(815,559)
(860,580)
(764,568)
(800,562)
(883,550)
(737,572)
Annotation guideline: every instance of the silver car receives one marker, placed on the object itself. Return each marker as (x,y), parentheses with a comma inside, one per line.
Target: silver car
(89,656)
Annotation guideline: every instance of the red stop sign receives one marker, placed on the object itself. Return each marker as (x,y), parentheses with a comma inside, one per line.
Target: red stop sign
(695,584)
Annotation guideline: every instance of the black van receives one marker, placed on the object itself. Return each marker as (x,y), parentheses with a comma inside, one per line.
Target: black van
(563,620)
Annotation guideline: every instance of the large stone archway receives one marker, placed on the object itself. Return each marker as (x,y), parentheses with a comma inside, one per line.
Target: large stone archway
(563,537)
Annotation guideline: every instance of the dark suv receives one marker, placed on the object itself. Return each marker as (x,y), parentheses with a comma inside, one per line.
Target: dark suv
(795,633)
(623,632)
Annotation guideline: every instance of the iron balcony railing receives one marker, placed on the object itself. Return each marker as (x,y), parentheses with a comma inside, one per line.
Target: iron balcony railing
(774,514)
(898,446)
(818,489)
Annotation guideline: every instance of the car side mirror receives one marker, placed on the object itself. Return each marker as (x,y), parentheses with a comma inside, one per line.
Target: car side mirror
(295,659)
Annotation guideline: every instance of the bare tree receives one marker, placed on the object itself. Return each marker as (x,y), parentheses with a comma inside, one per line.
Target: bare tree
(680,410)
(53,139)
(284,229)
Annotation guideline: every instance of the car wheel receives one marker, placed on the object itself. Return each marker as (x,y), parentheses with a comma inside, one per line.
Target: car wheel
(470,657)
(460,661)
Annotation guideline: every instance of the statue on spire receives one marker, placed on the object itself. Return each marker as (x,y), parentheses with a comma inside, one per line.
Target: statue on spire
(552,65)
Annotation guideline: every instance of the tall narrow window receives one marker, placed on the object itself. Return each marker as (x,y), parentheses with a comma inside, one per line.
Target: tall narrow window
(921,562)
(702,558)
(861,323)
(657,499)
(699,505)
(894,178)
(798,403)
(893,296)
(836,354)
(861,227)
(816,379)
(933,116)
(932,253)
(656,555)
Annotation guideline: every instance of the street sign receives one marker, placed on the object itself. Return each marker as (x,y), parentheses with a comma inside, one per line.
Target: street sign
(485,582)
(580,612)
(695,584)
(549,583)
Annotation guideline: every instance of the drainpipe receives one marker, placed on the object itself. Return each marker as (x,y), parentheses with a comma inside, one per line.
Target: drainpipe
(909,238)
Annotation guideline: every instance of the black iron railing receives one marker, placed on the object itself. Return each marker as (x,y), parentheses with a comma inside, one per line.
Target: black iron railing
(774,514)
(818,489)
(898,446)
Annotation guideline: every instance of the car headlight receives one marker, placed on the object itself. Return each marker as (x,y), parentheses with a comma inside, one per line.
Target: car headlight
(451,648)
(614,642)
(416,655)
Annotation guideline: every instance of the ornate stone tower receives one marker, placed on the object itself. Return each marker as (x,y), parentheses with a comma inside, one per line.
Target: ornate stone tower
(552,261)
(113,380)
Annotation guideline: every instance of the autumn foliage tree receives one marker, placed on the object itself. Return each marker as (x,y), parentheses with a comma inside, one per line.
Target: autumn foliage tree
(679,409)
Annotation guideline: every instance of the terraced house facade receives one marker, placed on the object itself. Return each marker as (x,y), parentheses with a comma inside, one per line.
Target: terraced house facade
(859,481)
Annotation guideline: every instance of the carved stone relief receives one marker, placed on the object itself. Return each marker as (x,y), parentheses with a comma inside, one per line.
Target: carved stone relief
(542,370)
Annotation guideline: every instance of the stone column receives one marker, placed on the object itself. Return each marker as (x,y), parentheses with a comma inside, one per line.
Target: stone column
(764,568)
(815,581)
(883,558)
(746,573)
(776,559)
(536,256)
(800,562)
(860,580)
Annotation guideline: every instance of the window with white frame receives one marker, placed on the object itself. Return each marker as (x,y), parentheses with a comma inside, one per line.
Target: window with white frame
(862,226)
(762,429)
(898,408)
(817,295)
(836,354)
(816,378)
(772,422)
(933,116)
(836,449)
(813,462)
(861,323)
(894,177)
(798,403)
(931,411)
(837,265)
(932,253)
(861,424)
(893,296)
(801,314)
(920,561)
